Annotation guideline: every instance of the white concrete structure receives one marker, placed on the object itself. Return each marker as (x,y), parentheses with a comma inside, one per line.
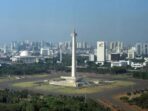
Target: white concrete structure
(91,57)
(25,57)
(61,55)
(70,81)
(116,46)
(73,80)
(137,65)
(73,70)
(131,53)
(146,59)
(24,53)
(101,52)
(44,51)
(119,64)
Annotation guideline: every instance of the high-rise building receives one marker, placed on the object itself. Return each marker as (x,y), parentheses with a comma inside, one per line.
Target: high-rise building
(139,51)
(60,55)
(101,52)
(116,46)
(44,51)
(81,45)
(145,49)
(131,53)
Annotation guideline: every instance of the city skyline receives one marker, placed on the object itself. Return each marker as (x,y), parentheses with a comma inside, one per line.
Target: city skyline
(53,20)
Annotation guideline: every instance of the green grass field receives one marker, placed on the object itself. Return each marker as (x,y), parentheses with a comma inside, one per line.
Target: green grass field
(39,75)
(71,90)
(25,84)
(121,76)
(5,78)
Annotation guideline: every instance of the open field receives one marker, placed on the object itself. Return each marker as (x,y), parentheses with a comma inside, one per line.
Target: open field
(106,93)
(24,84)
(14,77)
(5,79)
(121,76)
(2,79)
(39,75)
(69,90)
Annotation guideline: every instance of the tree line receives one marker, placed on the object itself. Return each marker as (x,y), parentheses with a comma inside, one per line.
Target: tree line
(140,75)
(140,101)
(26,101)
(51,64)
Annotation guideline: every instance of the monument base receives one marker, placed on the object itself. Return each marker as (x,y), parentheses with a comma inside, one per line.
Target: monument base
(71,82)
(65,81)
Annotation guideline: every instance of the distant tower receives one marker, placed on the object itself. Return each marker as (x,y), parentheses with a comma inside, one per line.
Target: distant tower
(145,49)
(60,55)
(73,70)
(139,51)
(101,54)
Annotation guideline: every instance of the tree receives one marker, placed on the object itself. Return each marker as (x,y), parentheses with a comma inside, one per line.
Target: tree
(30,107)
(44,109)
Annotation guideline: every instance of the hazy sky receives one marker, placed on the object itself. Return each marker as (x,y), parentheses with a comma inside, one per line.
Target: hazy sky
(54,20)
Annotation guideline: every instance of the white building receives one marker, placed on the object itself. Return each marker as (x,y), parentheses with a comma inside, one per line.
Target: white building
(119,64)
(25,57)
(131,53)
(137,65)
(91,57)
(44,51)
(81,45)
(116,46)
(146,59)
(101,52)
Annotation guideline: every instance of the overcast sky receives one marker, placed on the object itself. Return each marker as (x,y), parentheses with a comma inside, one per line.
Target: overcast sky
(54,20)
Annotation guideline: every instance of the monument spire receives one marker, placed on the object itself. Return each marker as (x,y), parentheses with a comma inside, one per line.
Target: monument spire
(73,80)
(73,68)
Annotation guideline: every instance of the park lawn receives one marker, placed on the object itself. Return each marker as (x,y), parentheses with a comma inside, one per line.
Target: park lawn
(119,83)
(6,78)
(24,84)
(121,76)
(71,90)
(68,90)
(40,75)
(3,79)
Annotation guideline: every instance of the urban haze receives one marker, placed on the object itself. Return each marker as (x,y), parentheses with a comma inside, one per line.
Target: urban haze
(73,55)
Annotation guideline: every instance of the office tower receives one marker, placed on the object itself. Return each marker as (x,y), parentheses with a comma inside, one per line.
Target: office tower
(116,46)
(131,53)
(139,51)
(145,49)
(101,49)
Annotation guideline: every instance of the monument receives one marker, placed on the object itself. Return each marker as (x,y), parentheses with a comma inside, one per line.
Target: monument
(73,79)
(73,70)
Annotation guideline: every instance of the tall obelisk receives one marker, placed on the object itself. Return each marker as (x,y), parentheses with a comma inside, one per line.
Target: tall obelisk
(73,70)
